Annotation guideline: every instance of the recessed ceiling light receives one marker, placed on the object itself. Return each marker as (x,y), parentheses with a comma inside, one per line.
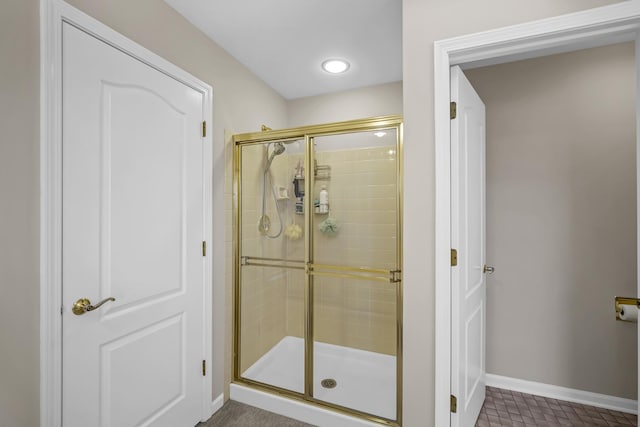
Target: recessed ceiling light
(380,134)
(335,66)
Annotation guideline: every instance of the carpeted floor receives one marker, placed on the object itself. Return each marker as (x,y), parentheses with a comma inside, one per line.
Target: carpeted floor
(235,414)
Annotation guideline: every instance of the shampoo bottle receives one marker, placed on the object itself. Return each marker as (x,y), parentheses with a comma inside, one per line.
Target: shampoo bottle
(324,200)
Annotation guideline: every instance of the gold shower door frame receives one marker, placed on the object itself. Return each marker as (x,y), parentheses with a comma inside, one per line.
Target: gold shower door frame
(394,277)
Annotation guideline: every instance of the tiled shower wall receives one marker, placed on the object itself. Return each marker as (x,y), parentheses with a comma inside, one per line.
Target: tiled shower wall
(348,312)
(362,196)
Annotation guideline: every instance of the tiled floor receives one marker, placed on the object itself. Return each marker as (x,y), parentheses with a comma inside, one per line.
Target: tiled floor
(513,409)
(502,408)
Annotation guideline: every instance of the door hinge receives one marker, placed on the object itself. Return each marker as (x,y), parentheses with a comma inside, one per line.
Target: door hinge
(204,248)
(454,257)
(204,129)
(454,404)
(396,276)
(204,368)
(453,110)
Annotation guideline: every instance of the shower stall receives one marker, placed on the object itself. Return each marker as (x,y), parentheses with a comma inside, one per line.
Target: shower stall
(317,265)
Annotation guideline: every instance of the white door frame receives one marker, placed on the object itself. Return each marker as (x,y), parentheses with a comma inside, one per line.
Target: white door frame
(595,27)
(52,14)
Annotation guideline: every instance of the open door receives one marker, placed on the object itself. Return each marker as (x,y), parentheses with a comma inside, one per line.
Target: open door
(468,285)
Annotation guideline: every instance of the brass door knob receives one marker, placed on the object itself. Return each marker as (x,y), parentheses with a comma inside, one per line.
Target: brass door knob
(488,269)
(83,305)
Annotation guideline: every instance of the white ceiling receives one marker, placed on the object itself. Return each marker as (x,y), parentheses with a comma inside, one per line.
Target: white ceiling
(284,41)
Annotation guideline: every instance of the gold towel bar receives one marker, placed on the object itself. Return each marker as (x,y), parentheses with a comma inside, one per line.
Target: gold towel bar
(393,276)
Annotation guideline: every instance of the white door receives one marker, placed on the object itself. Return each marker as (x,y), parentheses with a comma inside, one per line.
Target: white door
(468,291)
(132,230)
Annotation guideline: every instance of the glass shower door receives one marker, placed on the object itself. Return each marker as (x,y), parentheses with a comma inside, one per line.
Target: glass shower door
(317,261)
(270,313)
(354,271)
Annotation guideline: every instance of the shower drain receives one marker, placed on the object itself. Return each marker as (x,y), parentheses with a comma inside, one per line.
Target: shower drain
(328,383)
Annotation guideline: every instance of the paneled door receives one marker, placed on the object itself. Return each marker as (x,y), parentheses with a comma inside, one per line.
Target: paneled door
(468,291)
(132,240)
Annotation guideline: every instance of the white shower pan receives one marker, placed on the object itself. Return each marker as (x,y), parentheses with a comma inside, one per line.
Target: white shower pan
(365,381)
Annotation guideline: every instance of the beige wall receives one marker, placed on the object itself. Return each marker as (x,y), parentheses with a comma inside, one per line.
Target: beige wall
(561,218)
(372,101)
(19,76)
(423,23)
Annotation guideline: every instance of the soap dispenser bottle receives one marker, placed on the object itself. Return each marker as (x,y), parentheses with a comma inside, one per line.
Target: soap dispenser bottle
(324,200)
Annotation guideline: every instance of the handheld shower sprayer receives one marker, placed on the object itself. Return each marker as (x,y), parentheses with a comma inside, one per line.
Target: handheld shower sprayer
(278,148)
(264,223)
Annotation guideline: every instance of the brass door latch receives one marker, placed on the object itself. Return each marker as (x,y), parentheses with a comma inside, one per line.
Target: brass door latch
(83,305)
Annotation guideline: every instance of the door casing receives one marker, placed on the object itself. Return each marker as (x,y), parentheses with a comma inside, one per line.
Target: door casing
(616,23)
(52,14)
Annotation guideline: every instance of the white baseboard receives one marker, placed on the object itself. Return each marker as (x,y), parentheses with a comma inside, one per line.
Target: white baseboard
(217,403)
(562,393)
(295,409)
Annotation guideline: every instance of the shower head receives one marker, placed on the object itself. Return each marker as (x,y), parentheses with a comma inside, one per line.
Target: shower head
(278,148)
